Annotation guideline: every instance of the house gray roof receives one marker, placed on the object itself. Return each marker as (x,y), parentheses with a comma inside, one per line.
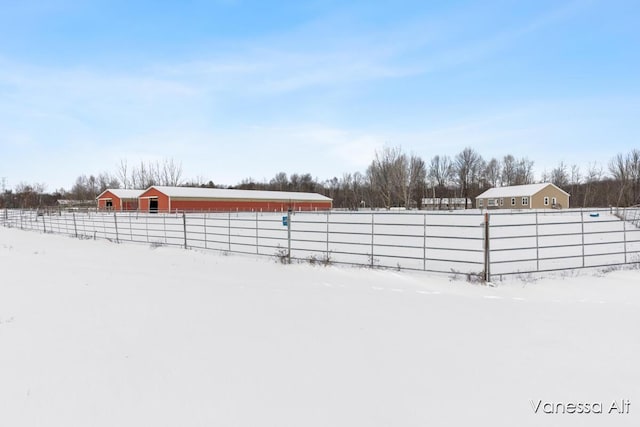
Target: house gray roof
(516,191)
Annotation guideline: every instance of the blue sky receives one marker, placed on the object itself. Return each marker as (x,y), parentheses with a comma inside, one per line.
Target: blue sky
(236,88)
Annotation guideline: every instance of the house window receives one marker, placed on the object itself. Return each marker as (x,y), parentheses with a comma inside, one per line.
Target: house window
(554,201)
(109,204)
(513,201)
(501,202)
(525,201)
(546,201)
(480,202)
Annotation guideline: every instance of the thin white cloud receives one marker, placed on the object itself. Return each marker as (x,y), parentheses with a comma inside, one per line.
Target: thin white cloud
(180,108)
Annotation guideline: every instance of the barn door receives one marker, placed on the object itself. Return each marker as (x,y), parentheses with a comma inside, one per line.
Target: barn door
(153,205)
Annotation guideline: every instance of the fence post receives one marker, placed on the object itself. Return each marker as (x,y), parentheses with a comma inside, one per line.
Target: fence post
(164,226)
(104,225)
(537,245)
(372,233)
(44,223)
(289,236)
(624,237)
(75,226)
(327,228)
(184,223)
(582,233)
(257,241)
(205,230)
(229,230)
(424,243)
(487,249)
(115,222)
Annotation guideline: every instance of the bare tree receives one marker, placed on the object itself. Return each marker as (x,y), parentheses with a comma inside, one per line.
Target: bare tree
(575,179)
(441,170)
(307,183)
(409,174)
(280,182)
(358,188)
(30,195)
(334,190)
(123,174)
(559,175)
(383,175)
(545,176)
(441,175)
(523,172)
(105,180)
(633,171)
(492,172)
(618,169)
(594,174)
(508,170)
(171,173)
(516,171)
(417,179)
(402,180)
(468,165)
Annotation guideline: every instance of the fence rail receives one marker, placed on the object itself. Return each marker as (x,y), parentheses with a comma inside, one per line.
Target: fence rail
(465,242)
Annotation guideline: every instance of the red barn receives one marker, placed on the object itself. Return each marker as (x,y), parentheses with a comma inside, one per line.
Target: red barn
(168,199)
(119,199)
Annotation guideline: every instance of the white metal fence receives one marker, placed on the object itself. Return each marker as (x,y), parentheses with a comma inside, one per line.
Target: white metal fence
(447,242)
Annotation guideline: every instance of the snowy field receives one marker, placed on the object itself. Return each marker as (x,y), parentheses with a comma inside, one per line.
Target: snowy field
(94,333)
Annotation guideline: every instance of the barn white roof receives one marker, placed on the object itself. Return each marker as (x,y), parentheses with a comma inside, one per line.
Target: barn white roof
(122,193)
(223,193)
(516,191)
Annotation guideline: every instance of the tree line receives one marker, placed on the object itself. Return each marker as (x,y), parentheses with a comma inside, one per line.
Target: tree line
(392,179)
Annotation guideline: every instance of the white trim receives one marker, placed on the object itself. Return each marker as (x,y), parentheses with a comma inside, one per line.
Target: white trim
(545,201)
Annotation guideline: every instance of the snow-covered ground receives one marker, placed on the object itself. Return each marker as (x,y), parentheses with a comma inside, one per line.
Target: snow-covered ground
(94,333)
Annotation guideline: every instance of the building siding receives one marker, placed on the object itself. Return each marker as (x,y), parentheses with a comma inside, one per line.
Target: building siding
(550,191)
(163,200)
(165,204)
(246,205)
(117,203)
(536,201)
